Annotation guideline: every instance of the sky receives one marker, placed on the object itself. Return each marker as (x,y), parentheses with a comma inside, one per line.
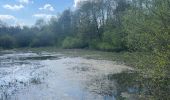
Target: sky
(26,12)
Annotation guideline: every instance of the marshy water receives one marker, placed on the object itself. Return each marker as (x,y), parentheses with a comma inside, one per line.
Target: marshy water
(29,75)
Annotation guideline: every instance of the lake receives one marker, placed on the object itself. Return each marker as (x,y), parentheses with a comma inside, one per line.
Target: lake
(62,75)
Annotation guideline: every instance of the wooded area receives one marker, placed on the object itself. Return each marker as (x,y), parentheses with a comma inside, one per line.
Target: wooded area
(108,25)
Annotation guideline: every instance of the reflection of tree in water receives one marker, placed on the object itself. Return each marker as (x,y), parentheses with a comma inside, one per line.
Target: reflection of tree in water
(128,85)
(102,86)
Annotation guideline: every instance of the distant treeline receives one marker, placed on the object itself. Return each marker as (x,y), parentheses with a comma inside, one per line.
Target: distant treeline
(109,25)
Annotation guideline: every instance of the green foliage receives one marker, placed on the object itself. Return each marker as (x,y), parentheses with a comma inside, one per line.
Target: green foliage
(42,41)
(111,41)
(114,38)
(148,30)
(105,46)
(25,37)
(70,42)
(7,42)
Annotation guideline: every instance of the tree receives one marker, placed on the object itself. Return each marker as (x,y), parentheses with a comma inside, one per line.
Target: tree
(7,42)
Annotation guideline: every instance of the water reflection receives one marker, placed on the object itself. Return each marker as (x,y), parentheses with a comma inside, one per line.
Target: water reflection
(25,71)
(129,85)
(54,76)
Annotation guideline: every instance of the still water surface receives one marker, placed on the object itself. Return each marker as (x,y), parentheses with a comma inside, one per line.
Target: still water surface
(56,76)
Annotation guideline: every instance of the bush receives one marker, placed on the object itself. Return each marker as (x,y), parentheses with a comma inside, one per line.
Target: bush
(42,41)
(111,41)
(36,43)
(105,46)
(98,45)
(7,42)
(70,42)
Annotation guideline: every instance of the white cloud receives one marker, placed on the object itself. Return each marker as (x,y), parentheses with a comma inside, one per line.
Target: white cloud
(76,2)
(44,16)
(7,17)
(24,1)
(19,23)
(11,20)
(47,7)
(13,7)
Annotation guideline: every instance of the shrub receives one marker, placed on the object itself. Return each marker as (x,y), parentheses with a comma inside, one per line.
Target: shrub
(70,42)
(111,41)
(7,42)
(42,41)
